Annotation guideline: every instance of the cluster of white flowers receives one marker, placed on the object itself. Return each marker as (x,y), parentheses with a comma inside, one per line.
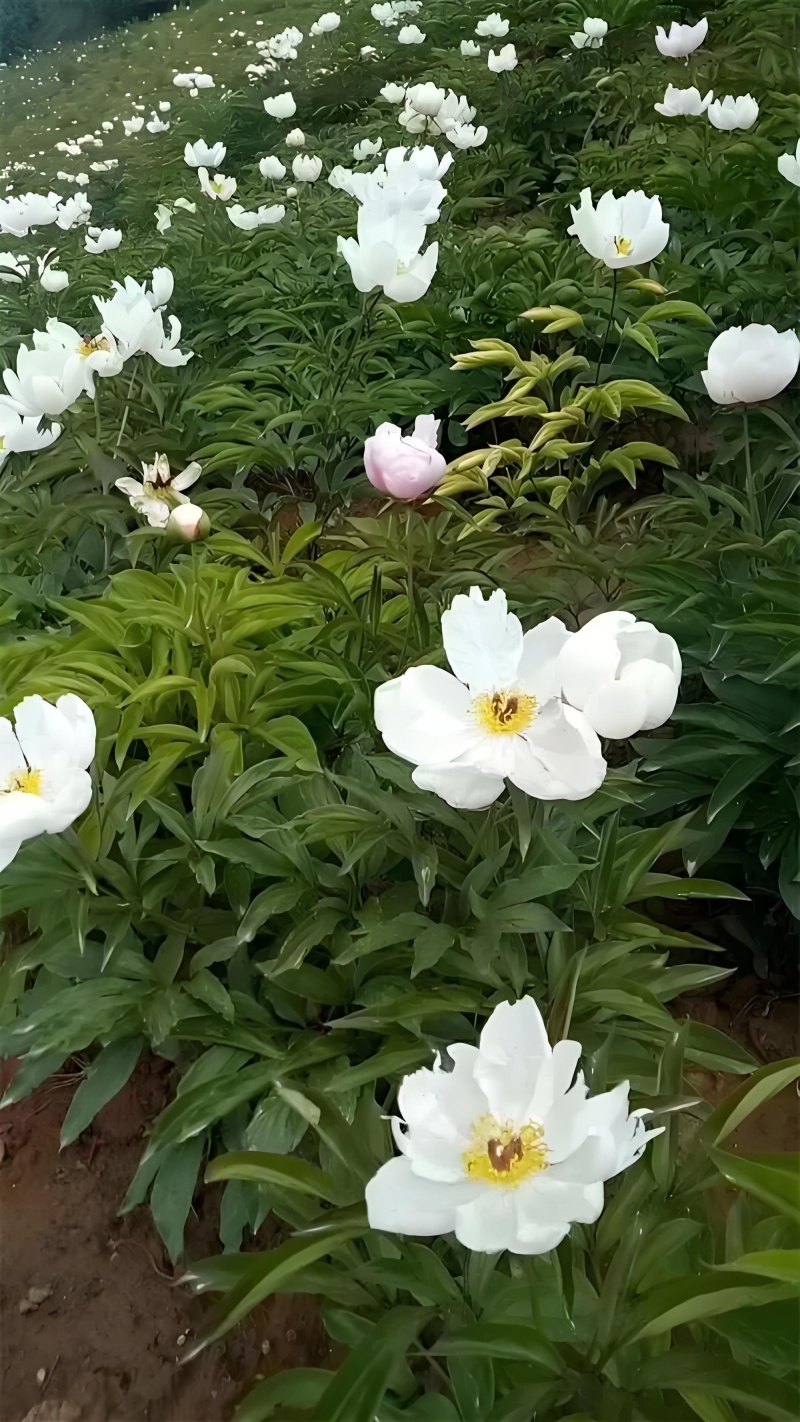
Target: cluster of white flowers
(392,12)
(429,109)
(592,34)
(397,203)
(30,210)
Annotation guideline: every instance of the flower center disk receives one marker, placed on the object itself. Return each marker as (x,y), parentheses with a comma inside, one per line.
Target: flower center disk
(504,1155)
(623,246)
(29,782)
(504,713)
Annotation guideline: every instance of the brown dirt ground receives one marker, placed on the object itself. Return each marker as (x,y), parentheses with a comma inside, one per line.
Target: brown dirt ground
(105,1344)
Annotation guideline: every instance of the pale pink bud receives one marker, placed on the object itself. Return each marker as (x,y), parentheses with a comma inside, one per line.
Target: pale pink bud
(405,466)
(189,523)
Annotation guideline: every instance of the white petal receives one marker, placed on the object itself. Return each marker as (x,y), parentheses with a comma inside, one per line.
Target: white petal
(423,716)
(483,641)
(402,1203)
(548,1204)
(11,757)
(539,672)
(460,785)
(188,477)
(658,685)
(42,732)
(587,660)
(79,717)
(559,757)
(487,1224)
(513,1049)
(553,1081)
(618,709)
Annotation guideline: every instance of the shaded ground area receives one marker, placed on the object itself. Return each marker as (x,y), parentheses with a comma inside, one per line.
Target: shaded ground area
(92,1325)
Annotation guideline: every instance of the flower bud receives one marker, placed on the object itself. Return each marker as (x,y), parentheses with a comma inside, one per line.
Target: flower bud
(188,523)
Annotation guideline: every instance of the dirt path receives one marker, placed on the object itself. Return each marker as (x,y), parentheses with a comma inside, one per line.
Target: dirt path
(104,1342)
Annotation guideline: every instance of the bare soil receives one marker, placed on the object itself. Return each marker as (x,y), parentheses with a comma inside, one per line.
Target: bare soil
(93,1321)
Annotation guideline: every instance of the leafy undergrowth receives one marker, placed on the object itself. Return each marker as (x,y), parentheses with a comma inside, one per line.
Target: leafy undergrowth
(259,890)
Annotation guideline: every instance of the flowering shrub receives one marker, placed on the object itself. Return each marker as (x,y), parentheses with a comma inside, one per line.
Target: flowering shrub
(525,281)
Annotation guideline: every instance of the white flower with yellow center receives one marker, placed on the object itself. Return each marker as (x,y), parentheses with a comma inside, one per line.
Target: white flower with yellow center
(160,491)
(499,717)
(44,758)
(622,232)
(503,1150)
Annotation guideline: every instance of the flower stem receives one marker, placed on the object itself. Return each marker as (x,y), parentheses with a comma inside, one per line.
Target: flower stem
(607,331)
(750,484)
(127,405)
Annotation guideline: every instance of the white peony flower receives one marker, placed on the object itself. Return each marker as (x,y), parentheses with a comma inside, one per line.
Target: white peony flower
(367,148)
(622,232)
(426,99)
(14,269)
(50,278)
(465,135)
(328,22)
(306,169)
(504,60)
(493,27)
(200,155)
(748,364)
(163,217)
(282,106)
(682,40)
(410,34)
(504,1150)
(20,434)
(393,93)
(102,239)
(44,757)
(789,166)
(133,125)
(595,28)
(159,491)
(75,212)
(683,102)
(500,716)
(470,49)
(731,113)
(272,168)
(188,523)
(157,125)
(249,221)
(295,138)
(622,674)
(218,187)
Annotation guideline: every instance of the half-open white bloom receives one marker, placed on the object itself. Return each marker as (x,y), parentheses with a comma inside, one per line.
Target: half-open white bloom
(493,27)
(305,168)
(133,317)
(203,81)
(282,106)
(203,155)
(75,212)
(159,491)
(102,239)
(20,434)
(466,135)
(44,758)
(622,232)
(425,99)
(367,148)
(218,187)
(622,674)
(393,93)
(272,168)
(504,1150)
(410,34)
(249,221)
(682,40)
(470,49)
(328,22)
(789,166)
(14,268)
(500,716)
(133,125)
(595,28)
(156,124)
(731,113)
(295,138)
(683,102)
(504,60)
(748,364)
(51,278)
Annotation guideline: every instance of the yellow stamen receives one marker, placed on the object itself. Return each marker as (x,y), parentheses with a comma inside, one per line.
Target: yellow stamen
(623,246)
(28,781)
(504,713)
(91,344)
(504,1155)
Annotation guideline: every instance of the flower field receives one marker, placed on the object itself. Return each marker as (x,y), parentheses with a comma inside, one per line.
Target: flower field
(400,666)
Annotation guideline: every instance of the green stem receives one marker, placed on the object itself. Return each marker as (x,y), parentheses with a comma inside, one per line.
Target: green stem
(607,331)
(127,405)
(750,484)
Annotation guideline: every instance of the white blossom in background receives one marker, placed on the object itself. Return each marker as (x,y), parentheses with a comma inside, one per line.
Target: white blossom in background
(295,138)
(624,675)
(156,125)
(272,168)
(493,27)
(163,217)
(789,166)
(133,317)
(281,106)
(504,60)
(186,204)
(19,214)
(133,125)
(326,23)
(14,268)
(305,168)
(682,40)
(249,221)
(217,188)
(159,491)
(622,232)
(748,364)
(410,34)
(51,278)
(44,758)
(367,148)
(683,102)
(592,34)
(21,434)
(466,135)
(393,93)
(102,239)
(731,113)
(498,715)
(75,212)
(204,155)
(470,49)
(203,81)
(506,1150)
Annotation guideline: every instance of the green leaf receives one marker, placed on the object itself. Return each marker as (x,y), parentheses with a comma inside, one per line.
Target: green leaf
(761,1087)
(172,1192)
(297,1388)
(775,1179)
(290,736)
(356,1391)
(267,1169)
(683,1369)
(106,1076)
(693,1299)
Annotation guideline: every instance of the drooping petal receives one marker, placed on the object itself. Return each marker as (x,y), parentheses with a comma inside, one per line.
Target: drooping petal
(423,716)
(403,1203)
(483,640)
(460,785)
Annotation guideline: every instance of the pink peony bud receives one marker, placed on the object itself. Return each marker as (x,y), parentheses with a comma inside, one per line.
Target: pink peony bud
(188,522)
(405,466)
